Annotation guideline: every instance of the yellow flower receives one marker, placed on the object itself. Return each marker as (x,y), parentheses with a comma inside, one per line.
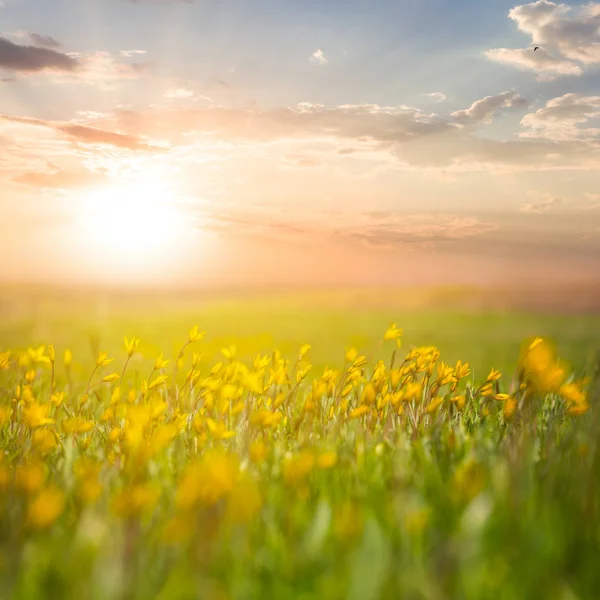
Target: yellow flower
(578,409)
(434,404)
(573,393)
(359,412)
(208,480)
(67,358)
(462,370)
(45,508)
(135,500)
(36,355)
(266,418)
(36,415)
(296,468)
(369,394)
(30,476)
(161,363)
(219,430)
(413,392)
(258,452)
(351,355)
(77,424)
(393,334)
(131,345)
(510,405)
(493,376)
(501,397)
(194,335)
(157,382)
(327,460)
(57,398)
(111,378)
(44,441)
(103,360)
(4,360)
(51,353)
(229,352)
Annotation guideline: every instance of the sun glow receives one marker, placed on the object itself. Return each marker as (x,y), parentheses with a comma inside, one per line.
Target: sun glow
(131,227)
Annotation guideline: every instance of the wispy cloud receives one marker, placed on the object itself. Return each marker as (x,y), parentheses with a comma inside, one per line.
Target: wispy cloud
(45,41)
(83,133)
(178,94)
(543,202)
(419,231)
(132,53)
(437,96)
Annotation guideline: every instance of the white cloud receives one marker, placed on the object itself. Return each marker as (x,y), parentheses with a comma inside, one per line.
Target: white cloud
(178,94)
(482,111)
(131,53)
(564,34)
(318,56)
(437,96)
(540,61)
(561,117)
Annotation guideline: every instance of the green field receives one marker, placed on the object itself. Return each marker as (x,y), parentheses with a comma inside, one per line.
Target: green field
(483,327)
(243,473)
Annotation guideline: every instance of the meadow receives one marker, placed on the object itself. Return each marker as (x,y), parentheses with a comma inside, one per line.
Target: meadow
(325,444)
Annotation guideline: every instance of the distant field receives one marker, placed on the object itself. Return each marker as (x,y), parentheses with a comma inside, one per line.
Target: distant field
(485,327)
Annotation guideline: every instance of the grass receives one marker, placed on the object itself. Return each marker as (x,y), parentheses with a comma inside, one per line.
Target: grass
(414,477)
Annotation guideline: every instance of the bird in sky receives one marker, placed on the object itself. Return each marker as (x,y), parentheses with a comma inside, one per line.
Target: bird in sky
(536,48)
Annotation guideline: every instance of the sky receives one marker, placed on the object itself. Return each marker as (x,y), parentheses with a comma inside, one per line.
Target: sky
(299,141)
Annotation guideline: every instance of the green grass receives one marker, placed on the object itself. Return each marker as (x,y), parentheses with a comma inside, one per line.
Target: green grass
(344,494)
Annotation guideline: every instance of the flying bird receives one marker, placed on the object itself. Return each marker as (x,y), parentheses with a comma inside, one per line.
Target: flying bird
(536,48)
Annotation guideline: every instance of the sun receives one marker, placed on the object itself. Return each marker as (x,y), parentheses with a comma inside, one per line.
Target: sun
(130,227)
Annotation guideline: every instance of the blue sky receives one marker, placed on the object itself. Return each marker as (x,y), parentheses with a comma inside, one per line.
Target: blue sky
(206,96)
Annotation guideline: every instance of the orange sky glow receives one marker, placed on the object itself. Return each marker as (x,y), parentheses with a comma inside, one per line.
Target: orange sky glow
(310,166)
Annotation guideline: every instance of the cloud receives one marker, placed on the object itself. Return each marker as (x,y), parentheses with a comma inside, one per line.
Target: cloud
(28,59)
(418,231)
(397,137)
(558,29)
(539,61)
(543,203)
(132,53)
(302,160)
(84,133)
(44,40)
(592,202)
(55,178)
(178,94)
(318,56)
(437,96)
(483,110)
(101,69)
(561,117)
(575,34)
